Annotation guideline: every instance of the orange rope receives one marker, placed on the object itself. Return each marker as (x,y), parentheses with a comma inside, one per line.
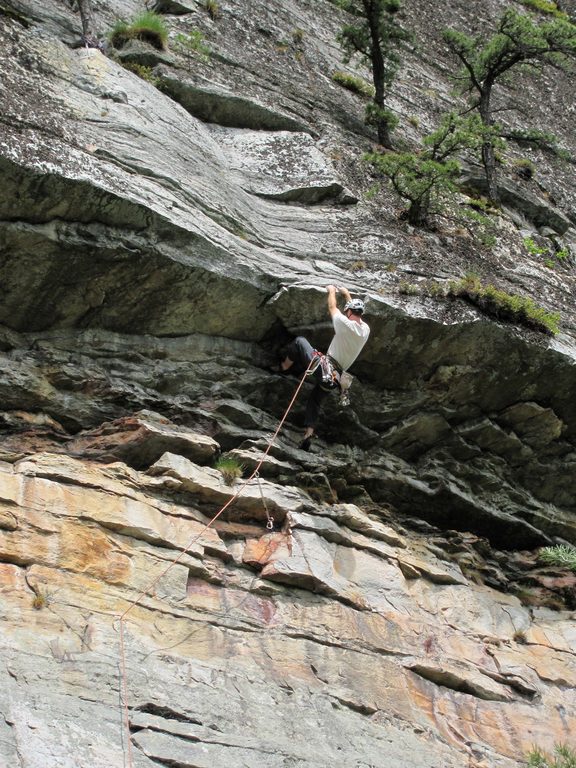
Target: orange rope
(134,603)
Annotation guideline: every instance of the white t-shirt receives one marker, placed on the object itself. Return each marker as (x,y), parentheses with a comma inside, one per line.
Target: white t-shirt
(349,338)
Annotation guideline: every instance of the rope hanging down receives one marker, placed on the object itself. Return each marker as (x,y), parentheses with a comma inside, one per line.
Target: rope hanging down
(128,762)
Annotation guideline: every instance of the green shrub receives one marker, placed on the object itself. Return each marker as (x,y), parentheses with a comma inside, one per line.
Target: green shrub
(352,83)
(554,254)
(426,179)
(146,73)
(409,289)
(536,138)
(375,115)
(565,758)
(562,555)
(148,27)
(193,44)
(534,249)
(229,468)
(504,306)
(524,168)
(546,6)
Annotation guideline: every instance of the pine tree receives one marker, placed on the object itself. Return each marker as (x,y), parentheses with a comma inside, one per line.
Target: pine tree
(424,179)
(518,40)
(375,35)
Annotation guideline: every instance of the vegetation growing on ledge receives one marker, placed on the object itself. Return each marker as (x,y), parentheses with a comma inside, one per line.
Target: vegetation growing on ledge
(229,468)
(143,72)
(352,83)
(545,6)
(212,8)
(504,306)
(565,757)
(562,555)
(193,45)
(553,255)
(491,300)
(148,27)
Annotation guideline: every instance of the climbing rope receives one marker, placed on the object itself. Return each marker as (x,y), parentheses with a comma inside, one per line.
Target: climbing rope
(122,618)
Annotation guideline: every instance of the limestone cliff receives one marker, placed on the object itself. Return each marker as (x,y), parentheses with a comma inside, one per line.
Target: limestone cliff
(160,239)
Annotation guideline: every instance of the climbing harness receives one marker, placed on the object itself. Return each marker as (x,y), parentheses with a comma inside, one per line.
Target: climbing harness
(128,761)
(330,370)
(332,376)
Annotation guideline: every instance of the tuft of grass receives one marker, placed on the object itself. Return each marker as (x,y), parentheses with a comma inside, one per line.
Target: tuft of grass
(565,757)
(298,36)
(482,204)
(40,599)
(352,83)
(229,468)
(546,6)
(409,289)
(193,44)
(212,9)
(524,168)
(504,306)
(148,27)
(562,555)
(520,637)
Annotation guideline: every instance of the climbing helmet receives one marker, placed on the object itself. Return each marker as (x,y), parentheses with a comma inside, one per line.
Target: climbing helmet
(356,305)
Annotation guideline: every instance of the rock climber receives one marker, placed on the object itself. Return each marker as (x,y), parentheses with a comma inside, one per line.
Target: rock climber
(350,335)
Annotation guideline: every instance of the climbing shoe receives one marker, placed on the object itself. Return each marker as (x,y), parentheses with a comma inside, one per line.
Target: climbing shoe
(305,444)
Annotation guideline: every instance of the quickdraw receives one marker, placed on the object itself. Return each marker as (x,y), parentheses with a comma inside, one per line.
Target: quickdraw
(270,519)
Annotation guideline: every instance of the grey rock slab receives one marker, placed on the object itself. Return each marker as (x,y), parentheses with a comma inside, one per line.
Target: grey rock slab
(490,436)
(282,165)
(436,571)
(214,104)
(251,497)
(176,7)
(181,190)
(308,562)
(268,467)
(339,534)
(536,425)
(537,210)
(142,439)
(468,680)
(356,519)
(50,725)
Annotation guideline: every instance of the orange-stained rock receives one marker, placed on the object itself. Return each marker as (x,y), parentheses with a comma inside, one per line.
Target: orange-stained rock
(270,547)
(316,625)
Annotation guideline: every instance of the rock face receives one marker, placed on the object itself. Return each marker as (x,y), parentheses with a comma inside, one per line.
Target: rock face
(334,638)
(376,602)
